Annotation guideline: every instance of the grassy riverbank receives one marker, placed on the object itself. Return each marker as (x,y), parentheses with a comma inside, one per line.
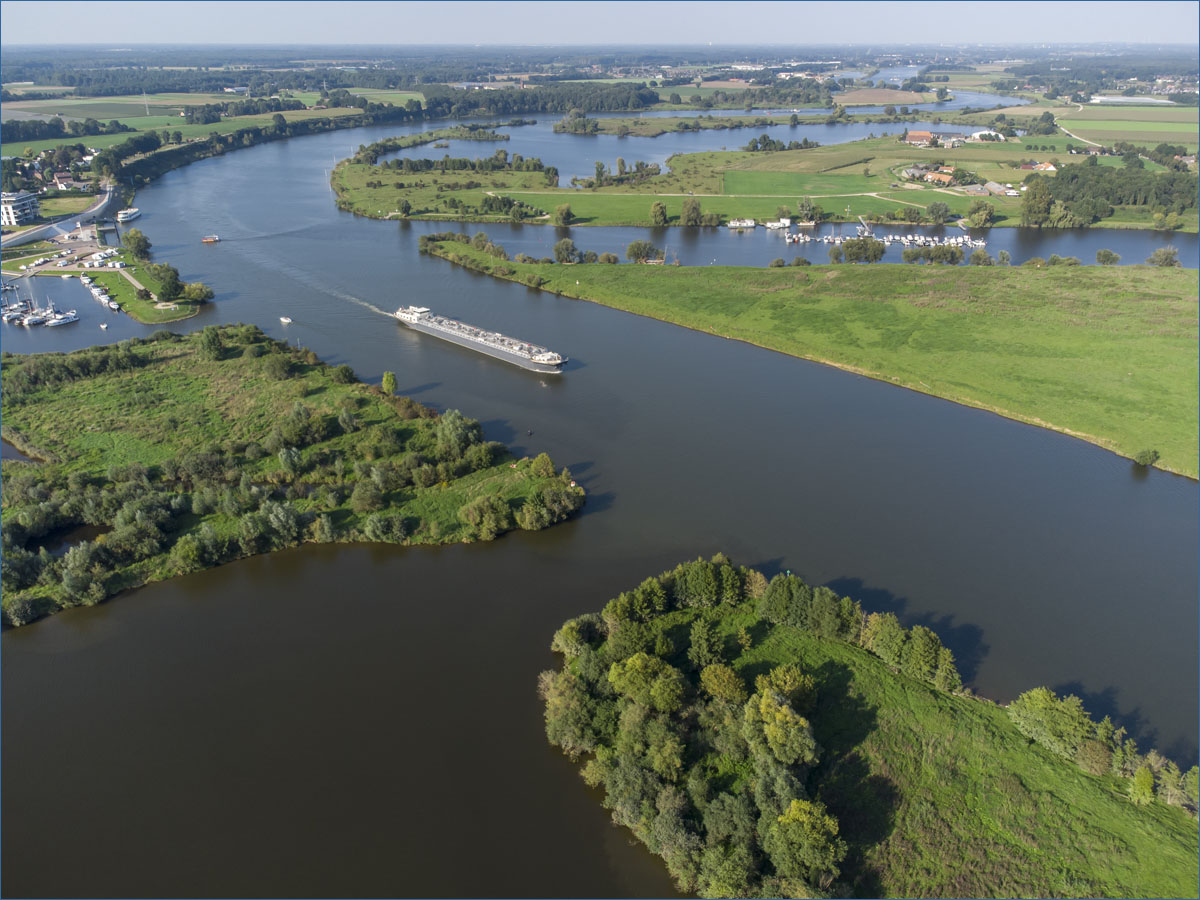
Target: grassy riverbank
(192,451)
(1106,354)
(710,705)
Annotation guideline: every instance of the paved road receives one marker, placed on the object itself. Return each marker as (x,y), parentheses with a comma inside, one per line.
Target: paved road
(60,226)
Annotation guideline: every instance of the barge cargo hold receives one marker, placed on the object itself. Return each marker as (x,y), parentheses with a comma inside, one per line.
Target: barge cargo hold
(520,353)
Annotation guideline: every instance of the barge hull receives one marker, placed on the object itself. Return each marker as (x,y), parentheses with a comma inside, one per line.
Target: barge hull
(494,352)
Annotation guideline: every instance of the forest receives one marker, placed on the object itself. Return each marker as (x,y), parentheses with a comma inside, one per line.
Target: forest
(771,739)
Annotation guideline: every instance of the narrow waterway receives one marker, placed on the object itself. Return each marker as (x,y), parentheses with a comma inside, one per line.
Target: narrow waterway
(348,719)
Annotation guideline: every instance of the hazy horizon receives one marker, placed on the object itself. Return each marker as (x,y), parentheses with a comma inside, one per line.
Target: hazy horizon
(525,23)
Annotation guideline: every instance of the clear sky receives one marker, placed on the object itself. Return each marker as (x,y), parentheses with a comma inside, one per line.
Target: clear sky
(588,22)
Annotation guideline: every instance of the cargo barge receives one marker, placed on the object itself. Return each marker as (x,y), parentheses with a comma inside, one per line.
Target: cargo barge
(518,352)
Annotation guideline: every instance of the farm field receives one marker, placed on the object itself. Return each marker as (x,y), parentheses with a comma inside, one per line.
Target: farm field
(876,96)
(1156,114)
(225,126)
(396,98)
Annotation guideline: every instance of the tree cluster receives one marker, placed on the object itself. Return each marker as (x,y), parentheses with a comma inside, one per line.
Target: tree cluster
(1063,726)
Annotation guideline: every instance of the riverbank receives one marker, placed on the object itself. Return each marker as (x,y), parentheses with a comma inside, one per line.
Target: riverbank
(785,705)
(194,451)
(1105,354)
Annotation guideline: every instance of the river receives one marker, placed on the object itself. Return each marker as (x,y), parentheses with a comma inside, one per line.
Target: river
(358,720)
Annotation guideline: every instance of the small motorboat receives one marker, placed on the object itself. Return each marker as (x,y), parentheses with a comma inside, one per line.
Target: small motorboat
(286,320)
(104,325)
(210,239)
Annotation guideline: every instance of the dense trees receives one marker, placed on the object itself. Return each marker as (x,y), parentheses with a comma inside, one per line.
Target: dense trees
(36,130)
(1089,192)
(641,251)
(648,688)
(136,243)
(1036,202)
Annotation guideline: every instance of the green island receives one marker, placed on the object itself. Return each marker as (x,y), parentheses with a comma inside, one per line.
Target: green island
(872,178)
(768,739)
(182,453)
(1102,353)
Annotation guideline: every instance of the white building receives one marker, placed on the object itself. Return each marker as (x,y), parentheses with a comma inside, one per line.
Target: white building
(16,209)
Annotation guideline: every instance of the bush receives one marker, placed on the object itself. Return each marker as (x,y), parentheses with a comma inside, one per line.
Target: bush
(278,366)
(1165,257)
(776,263)
(1146,457)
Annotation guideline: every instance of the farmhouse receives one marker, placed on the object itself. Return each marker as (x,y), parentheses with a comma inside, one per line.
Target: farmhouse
(918,138)
(939,178)
(998,189)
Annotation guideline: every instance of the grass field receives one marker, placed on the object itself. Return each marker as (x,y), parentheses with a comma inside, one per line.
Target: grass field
(882,97)
(64,206)
(1156,114)
(1103,354)
(1149,125)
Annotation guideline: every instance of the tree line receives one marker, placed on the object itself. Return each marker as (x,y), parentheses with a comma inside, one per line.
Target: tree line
(36,130)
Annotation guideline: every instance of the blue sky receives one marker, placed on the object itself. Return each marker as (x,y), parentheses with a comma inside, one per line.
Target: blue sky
(654,23)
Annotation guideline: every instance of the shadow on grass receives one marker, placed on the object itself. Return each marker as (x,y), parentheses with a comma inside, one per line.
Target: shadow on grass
(865,804)
(964,640)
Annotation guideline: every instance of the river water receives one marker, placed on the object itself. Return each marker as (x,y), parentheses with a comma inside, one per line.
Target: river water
(359,720)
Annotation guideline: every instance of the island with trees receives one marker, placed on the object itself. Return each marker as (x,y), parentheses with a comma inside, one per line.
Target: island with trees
(771,739)
(1103,353)
(175,454)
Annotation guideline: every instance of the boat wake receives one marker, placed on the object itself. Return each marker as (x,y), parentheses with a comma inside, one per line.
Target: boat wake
(303,277)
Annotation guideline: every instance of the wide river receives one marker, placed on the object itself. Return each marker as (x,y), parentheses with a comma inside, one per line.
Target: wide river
(345,720)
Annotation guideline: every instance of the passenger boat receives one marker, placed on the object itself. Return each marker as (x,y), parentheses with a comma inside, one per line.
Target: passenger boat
(62,318)
(128,215)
